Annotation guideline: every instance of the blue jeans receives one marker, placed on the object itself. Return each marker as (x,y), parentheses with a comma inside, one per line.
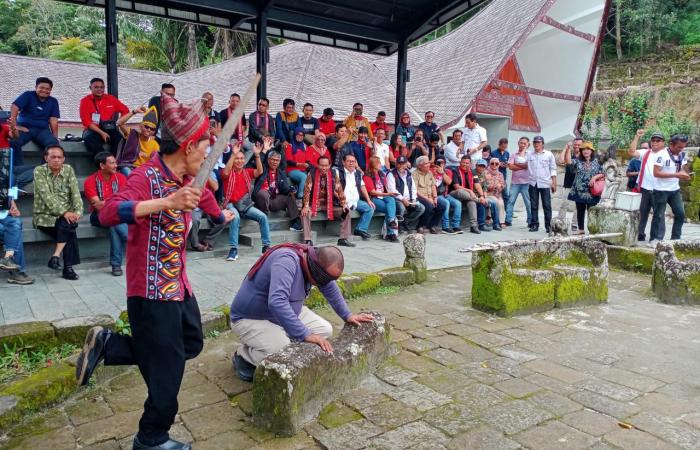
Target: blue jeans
(522,190)
(386,205)
(481,212)
(11,231)
(117,242)
(43,137)
(299,178)
(454,205)
(366,213)
(253,213)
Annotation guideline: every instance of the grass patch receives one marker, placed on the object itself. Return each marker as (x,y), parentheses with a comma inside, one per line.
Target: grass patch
(26,360)
(386,290)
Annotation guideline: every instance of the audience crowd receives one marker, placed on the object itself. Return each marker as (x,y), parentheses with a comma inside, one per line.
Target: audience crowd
(307,167)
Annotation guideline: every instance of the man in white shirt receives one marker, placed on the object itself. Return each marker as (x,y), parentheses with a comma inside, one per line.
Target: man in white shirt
(670,166)
(646,179)
(474,136)
(542,171)
(357,198)
(400,182)
(455,150)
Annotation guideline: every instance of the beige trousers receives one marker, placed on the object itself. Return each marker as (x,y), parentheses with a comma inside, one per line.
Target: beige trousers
(345,224)
(260,338)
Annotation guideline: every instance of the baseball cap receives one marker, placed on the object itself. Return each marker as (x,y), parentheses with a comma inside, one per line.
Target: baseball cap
(482,162)
(401,160)
(658,136)
(328,112)
(381,113)
(538,139)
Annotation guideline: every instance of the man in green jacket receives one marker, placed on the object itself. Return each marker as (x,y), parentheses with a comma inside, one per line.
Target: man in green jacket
(58,207)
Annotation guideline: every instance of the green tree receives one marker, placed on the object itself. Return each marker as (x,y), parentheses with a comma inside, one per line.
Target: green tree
(73,49)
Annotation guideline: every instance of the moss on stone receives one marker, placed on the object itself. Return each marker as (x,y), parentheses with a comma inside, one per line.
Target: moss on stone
(336,414)
(315,299)
(362,284)
(630,259)
(41,389)
(397,276)
(573,291)
(38,335)
(685,253)
(694,288)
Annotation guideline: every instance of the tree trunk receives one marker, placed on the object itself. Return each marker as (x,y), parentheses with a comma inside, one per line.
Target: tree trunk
(192,53)
(618,30)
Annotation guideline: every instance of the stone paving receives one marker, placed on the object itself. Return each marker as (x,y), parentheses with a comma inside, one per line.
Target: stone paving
(215,281)
(620,375)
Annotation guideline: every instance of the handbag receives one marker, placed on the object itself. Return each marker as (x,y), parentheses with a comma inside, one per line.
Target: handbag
(244,204)
(598,187)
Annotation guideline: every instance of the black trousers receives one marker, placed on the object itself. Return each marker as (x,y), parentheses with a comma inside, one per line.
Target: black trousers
(432,215)
(95,144)
(546,195)
(645,208)
(64,232)
(164,334)
(658,223)
(266,203)
(581,209)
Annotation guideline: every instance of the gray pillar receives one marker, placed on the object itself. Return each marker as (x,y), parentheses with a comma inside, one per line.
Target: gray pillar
(112,39)
(401,76)
(262,51)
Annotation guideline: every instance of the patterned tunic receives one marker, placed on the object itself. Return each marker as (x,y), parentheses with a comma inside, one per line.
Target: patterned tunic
(156,249)
(580,192)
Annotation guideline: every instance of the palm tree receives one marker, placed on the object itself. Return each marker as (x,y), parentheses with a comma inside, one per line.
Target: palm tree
(73,49)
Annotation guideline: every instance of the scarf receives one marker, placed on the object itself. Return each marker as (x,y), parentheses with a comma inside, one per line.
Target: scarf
(316,197)
(468,178)
(321,151)
(100,187)
(307,258)
(257,121)
(677,161)
(231,183)
(298,146)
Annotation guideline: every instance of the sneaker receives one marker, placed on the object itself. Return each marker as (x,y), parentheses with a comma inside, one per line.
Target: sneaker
(117,271)
(345,243)
(474,230)
(457,230)
(533,229)
(17,277)
(54,263)
(394,224)
(244,369)
(9,263)
(170,444)
(69,273)
(93,352)
(265,248)
(484,228)
(232,254)
(296,226)
(497,228)
(392,238)
(447,231)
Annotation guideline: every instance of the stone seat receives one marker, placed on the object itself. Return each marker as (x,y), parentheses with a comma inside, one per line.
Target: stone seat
(676,272)
(292,386)
(531,276)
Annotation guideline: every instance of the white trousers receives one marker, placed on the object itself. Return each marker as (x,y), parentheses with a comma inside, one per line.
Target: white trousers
(260,338)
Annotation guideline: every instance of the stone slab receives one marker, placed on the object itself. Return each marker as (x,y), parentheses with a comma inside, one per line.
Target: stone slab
(515,416)
(555,434)
(611,220)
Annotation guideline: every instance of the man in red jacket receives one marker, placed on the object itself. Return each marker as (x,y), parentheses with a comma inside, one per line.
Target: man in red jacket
(99,113)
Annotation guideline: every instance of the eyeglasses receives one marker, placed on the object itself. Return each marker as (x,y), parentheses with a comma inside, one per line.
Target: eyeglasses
(495,164)
(149,128)
(657,140)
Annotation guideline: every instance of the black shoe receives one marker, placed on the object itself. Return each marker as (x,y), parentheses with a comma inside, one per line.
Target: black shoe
(641,238)
(474,230)
(309,242)
(167,445)
(363,234)
(93,352)
(434,230)
(244,369)
(534,229)
(484,228)
(457,230)
(117,271)
(265,248)
(548,230)
(392,238)
(69,273)
(497,228)
(54,263)
(509,224)
(345,243)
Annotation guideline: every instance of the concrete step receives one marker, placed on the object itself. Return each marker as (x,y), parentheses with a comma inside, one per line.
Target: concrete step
(277,237)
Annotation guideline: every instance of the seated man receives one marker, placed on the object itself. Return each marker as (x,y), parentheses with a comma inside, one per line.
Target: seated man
(321,194)
(486,201)
(260,123)
(466,188)
(268,311)
(273,191)
(99,113)
(100,186)
(426,188)
(298,159)
(309,123)
(11,227)
(356,197)
(58,207)
(400,183)
(140,144)
(34,115)
(238,188)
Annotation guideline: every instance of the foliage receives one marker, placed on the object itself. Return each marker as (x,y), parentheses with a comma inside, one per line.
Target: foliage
(592,121)
(25,360)
(122,326)
(73,49)
(626,115)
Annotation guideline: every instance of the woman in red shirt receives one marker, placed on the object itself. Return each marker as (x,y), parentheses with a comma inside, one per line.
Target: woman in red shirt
(297,161)
(318,149)
(375,180)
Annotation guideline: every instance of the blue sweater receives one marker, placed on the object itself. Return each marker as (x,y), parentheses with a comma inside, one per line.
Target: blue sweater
(280,299)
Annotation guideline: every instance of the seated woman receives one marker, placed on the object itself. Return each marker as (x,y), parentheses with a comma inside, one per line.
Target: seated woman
(494,192)
(138,145)
(317,150)
(297,160)
(397,148)
(419,148)
(405,129)
(383,200)
(587,171)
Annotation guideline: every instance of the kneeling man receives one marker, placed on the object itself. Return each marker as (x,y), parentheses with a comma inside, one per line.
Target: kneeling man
(268,312)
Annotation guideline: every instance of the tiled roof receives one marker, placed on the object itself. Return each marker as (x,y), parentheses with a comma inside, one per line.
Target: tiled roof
(446,74)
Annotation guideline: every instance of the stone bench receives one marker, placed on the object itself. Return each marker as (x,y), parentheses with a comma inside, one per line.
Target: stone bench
(292,386)
(523,277)
(676,272)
